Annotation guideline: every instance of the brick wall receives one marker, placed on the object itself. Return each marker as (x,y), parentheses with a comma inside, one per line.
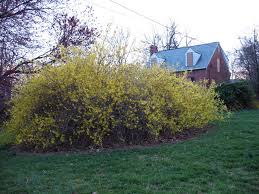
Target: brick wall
(213,74)
(197,75)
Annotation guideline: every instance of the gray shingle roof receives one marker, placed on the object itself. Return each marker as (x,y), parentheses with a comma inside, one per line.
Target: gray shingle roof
(175,59)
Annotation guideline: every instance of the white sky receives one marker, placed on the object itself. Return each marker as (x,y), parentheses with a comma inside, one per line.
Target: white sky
(206,20)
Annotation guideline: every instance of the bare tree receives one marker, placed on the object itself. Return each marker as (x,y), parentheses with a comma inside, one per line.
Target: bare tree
(17,36)
(247,60)
(172,38)
(169,38)
(21,49)
(70,31)
(115,47)
(19,21)
(155,39)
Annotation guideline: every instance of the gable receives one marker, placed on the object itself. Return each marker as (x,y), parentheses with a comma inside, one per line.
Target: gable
(191,57)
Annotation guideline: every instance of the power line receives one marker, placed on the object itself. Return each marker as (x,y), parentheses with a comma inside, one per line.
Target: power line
(108,9)
(137,13)
(143,16)
(152,20)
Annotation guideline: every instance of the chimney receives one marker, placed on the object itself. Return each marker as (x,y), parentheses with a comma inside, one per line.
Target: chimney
(153,49)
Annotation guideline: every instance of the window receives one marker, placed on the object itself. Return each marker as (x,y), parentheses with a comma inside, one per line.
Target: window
(218,65)
(189,59)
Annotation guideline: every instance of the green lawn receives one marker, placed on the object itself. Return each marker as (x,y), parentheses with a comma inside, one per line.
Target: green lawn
(225,160)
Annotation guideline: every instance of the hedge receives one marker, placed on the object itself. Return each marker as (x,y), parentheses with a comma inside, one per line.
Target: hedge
(82,103)
(236,95)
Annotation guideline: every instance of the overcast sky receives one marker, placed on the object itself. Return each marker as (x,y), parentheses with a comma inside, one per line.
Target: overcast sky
(208,21)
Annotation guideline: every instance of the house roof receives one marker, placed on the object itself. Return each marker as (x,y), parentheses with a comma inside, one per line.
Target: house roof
(175,59)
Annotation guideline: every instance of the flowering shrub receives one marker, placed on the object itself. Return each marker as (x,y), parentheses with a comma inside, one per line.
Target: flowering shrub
(82,103)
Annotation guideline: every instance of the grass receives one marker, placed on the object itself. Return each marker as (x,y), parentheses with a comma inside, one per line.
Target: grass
(225,160)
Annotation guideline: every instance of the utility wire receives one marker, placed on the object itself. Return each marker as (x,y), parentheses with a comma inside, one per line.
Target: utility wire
(108,9)
(137,13)
(143,16)
(150,19)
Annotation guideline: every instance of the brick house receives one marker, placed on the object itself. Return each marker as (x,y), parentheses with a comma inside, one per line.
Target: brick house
(205,61)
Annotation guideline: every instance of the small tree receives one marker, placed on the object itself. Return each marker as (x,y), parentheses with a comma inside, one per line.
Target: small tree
(22,52)
(72,32)
(172,38)
(115,47)
(19,31)
(18,19)
(247,60)
(169,38)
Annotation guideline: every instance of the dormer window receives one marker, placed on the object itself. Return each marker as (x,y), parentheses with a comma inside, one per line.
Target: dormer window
(189,59)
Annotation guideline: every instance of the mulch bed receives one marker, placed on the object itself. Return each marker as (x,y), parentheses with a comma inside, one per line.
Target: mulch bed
(166,138)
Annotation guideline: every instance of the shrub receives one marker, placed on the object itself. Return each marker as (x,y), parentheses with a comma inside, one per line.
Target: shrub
(255,104)
(7,138)
(82,103)
(4,111)
(236,95)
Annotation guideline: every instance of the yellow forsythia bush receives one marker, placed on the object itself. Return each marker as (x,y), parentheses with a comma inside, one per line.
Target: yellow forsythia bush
(82,103)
